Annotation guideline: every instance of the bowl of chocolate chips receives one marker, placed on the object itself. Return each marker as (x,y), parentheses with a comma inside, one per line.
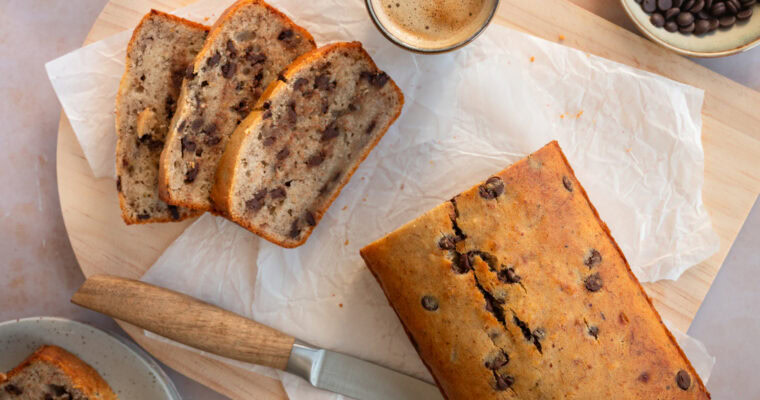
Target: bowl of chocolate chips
(698,28)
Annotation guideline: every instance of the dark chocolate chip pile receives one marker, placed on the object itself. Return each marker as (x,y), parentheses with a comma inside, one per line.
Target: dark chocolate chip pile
(696,16)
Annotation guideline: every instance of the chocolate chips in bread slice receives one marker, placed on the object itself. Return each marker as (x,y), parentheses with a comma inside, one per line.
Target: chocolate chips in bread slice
(289,159)
(247,48)
(161,48)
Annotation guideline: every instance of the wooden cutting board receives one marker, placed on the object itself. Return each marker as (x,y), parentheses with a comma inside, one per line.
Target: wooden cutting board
(731,139)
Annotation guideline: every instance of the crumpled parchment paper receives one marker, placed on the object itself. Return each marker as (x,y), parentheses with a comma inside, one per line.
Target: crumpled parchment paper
(633,138)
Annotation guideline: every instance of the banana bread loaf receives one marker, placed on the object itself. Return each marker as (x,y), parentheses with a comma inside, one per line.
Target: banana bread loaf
(247,48)
(161,48)
(515,289)
(289,159)
(52,373)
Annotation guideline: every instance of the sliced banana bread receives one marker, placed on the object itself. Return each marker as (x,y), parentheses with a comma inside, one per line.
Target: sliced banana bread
(248,46)
(52,373)
(290,158)
(161,48)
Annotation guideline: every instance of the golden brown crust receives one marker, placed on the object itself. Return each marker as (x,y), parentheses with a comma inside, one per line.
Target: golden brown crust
(163,168)
(83,376)
(227,168)
(123,84)
(563,334)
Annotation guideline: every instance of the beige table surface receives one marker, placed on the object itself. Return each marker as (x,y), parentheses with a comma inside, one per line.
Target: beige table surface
(38,271)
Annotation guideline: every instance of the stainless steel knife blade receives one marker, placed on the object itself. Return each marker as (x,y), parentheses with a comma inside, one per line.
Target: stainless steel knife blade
(354,377)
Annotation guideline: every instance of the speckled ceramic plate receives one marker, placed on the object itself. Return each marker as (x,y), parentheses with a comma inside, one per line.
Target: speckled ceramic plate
(132,374)
(719,43)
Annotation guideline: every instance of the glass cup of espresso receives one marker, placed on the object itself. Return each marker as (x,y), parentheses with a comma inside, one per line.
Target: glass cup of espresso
(431,26)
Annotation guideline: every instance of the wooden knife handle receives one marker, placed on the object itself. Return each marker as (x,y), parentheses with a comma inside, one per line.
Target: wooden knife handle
(186,320)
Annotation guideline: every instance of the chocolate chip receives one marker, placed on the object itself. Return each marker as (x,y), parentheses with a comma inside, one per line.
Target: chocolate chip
(315,160)
(567,183)
(593,331)
(331,132)
(649,5)
(58,390)
(657,20)
(267,114)
(508,275)
(285,35)
(292,115)
(281,77)
(174,211)
(213,140)
(497,360)
(644,377)
(685,18)
(592,259)
(191,173)
(187,144)
(492,189)
(664,5)
(687,29)
(697,7)
(300,83)
(378,80)
(593,283)
(268,141)
(718,9)
(278,193)
(727,21)
(118,184)
(429,303)
(241,108)
(371,127)
(197,124)
(228,69)
(683,380)
(322,82)
(231,49)
(213,60)
(504,382)
(461,263)
(257,201)
(702,26)
(189,72)
(283,154)
(48,396)
(325,106)
(744,14)
(143,216)
(671,13)
(13,389)
(295,231)
(448,242)
(255,58)
(309,218)
(210,129)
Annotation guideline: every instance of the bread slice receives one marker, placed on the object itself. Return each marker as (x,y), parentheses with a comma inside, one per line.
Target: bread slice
(292,155)
(161,48)
(52,373)
(247,48)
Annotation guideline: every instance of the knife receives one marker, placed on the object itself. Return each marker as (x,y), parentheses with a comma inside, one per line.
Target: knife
(206,327)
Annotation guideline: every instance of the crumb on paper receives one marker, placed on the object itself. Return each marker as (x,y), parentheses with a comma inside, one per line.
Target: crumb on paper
(431,162)
(628,150)
(340,305)
(532,59)
(344,208)
(205,19)
(364,199)
(346,243)
(562,116)
(362,178)
(402,186)
(561,37)
(579,114)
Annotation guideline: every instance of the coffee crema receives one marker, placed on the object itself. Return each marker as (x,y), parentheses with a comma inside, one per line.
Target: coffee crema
(433,24)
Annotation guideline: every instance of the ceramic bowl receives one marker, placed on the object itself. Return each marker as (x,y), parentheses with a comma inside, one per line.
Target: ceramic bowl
(130,372)
(719,43)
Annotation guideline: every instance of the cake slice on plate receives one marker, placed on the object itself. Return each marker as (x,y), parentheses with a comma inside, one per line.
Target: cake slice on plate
(52,373)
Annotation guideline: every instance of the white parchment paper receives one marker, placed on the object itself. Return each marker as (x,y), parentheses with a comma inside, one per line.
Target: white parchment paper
(633,138)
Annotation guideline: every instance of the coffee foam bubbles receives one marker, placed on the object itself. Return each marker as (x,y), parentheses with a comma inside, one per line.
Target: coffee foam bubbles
(432,24)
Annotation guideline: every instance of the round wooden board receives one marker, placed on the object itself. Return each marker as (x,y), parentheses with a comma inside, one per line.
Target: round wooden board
(103,244)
